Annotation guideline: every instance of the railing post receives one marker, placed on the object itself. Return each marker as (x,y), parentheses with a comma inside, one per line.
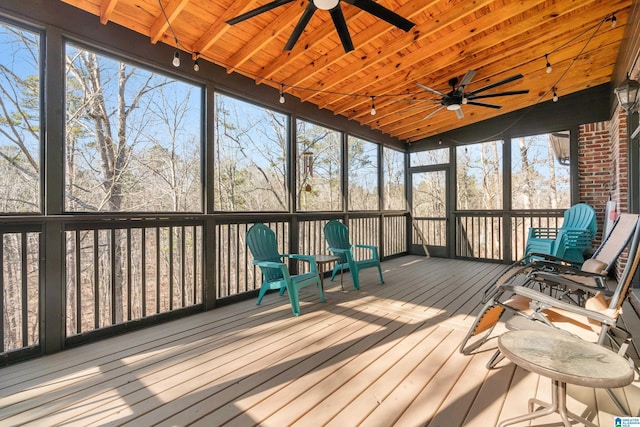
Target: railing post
(210,258)
(52,302)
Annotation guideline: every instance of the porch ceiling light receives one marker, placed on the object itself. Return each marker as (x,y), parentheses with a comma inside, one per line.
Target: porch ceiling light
(627,94)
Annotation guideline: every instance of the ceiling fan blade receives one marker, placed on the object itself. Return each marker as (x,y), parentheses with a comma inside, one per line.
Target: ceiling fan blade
(493,95)
(341,28)
(258,11)
(496,84)
(428,116)
(383,13)
(302,23)
(482,104)
(460,113)
(467,78)
(427,88)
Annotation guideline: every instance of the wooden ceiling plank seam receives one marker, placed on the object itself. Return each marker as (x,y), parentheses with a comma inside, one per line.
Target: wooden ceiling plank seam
(409,11)
(106,9)
(456,59)
(160,26)
(417,33)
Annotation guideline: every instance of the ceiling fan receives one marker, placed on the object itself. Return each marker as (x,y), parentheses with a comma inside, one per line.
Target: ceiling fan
(457,97)
(333,6)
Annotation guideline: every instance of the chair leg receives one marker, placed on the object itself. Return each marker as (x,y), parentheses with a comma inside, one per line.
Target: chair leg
(320,291)
(355,276)
(263,290)
(482,326)
(495,359)
(380,272)
(294,300)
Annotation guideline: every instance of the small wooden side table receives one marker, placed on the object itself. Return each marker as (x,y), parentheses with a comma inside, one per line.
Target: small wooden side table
(564,359)
(321,261)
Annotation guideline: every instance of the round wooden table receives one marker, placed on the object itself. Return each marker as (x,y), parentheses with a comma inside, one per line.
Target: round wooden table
(564,359)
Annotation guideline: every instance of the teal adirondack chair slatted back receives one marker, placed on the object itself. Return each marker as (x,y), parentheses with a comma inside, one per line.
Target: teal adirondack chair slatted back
(263,245)
(570,240)
(337,236)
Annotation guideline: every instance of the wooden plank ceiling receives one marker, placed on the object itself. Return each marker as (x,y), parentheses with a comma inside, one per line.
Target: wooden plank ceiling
(496,38)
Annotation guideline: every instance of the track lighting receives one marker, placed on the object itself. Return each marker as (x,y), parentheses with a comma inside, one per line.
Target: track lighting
(281,94)
(176,59)
(549,69)
(373,107)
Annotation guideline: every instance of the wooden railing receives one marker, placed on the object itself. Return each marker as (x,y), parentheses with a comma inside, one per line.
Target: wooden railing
(116,272)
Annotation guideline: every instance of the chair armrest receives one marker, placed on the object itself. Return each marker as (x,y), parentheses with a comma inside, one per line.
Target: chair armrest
(339,250)
(546,259)
(552,278)
(541,301)
(269,264)
(308,258)
(373,249)
(543,232)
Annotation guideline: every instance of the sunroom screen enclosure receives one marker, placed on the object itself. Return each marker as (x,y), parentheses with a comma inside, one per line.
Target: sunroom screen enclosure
(132,208)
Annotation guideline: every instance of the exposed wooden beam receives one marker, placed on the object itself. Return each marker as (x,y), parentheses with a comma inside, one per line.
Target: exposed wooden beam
(106,8)
(172,10)
(266,36)
(220,27)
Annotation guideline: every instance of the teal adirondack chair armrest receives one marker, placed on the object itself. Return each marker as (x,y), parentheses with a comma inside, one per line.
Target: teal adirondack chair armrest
(373,249)
(543,232)
(275,265)
(339,250)
(309,258)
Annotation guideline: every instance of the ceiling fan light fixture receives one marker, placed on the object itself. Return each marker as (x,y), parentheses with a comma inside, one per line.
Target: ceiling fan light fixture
(326,4)
(454,107)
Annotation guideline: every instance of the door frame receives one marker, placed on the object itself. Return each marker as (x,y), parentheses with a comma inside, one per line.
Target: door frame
(437,251)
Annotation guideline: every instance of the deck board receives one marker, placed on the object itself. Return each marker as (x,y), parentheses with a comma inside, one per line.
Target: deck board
(386,354)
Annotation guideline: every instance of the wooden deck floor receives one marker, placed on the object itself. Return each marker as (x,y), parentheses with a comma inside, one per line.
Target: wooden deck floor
(384,355)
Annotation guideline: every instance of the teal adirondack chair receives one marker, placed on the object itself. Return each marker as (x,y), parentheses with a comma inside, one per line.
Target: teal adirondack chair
(337,236)
(262,243)
(570,240)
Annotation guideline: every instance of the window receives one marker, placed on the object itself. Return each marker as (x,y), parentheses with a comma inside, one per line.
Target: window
(541,171)
(250,157)
(133,138)
(363,175)
(438,156)
(479,176)
(319,168)
(393,170)
(20,97)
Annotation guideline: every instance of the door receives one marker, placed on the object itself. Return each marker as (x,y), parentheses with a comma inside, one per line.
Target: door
(430,211)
